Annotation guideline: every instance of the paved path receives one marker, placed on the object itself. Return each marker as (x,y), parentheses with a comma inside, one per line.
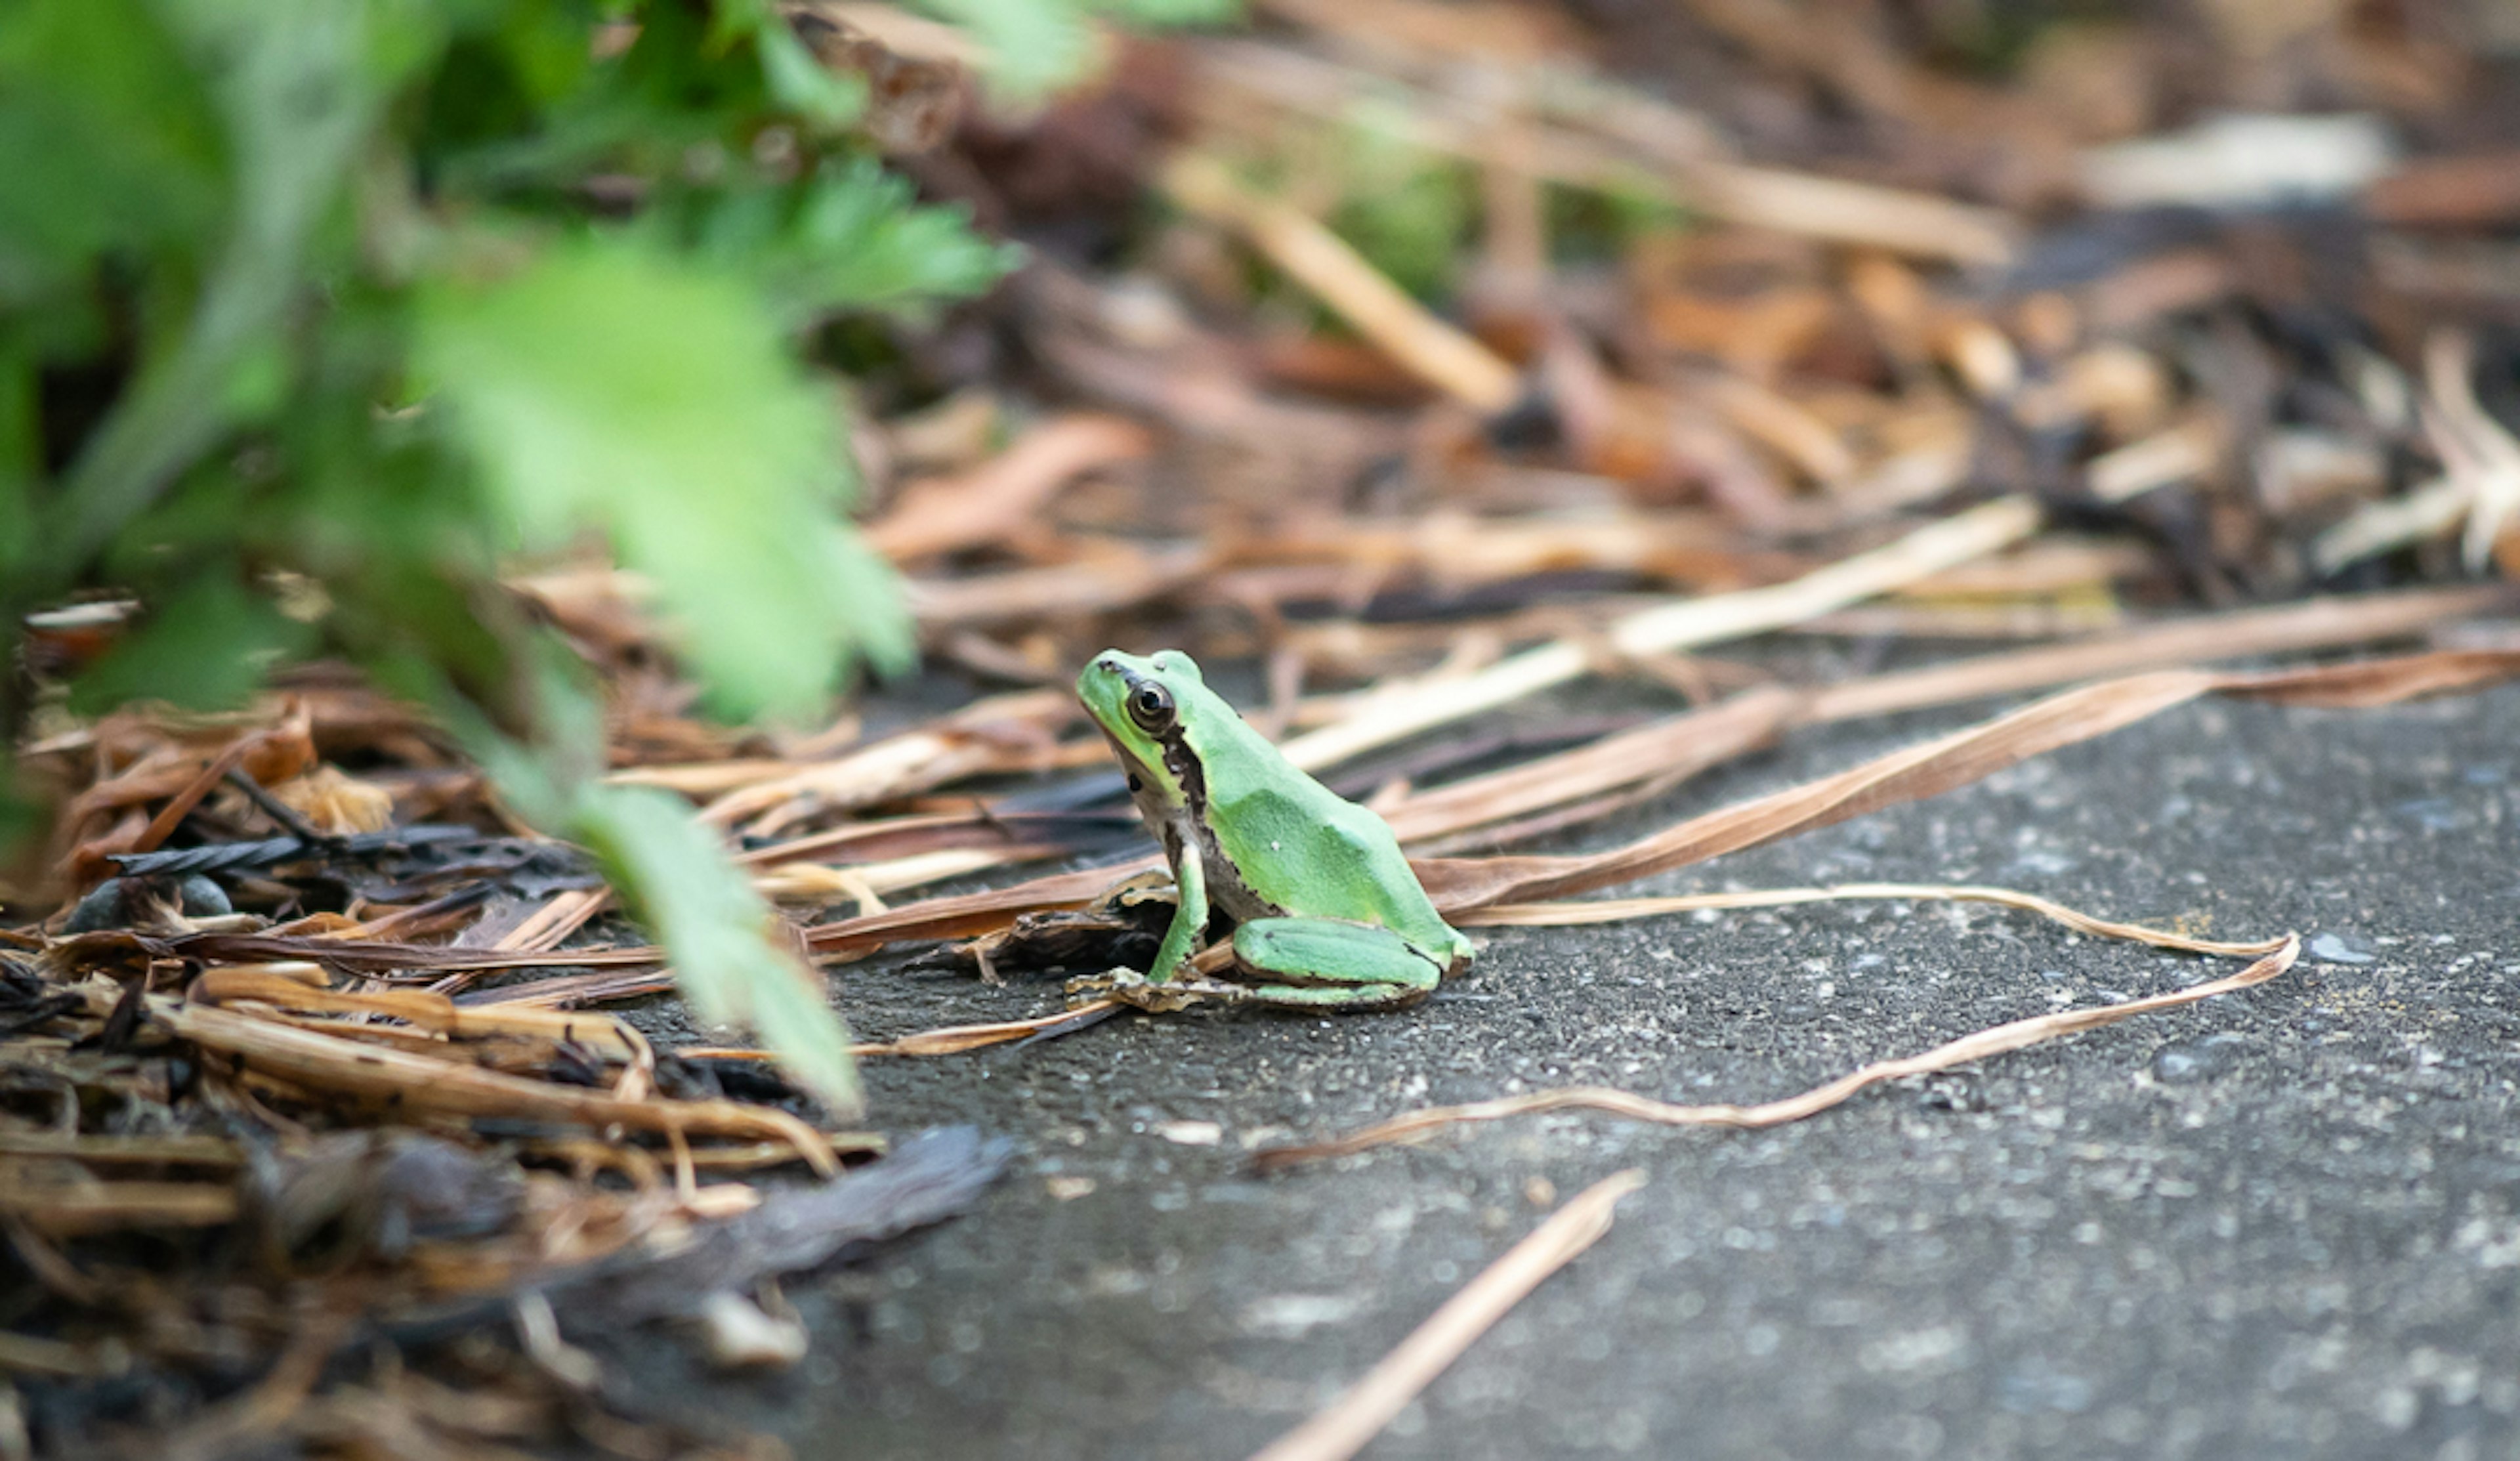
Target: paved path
(2285,1223)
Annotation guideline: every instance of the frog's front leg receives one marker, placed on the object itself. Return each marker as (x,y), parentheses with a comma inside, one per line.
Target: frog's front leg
(1328,963)
(1156,989)
(1189,914)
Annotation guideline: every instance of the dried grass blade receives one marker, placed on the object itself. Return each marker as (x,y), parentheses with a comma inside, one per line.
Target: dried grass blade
(1355,1418)
(1005,733)
(570,992)
(1422,705)
(2317,624)
(2368,684)
(1813,205)
(1341,278)
(953,1039)
(134,1151)
(366,956)
(2016,1034)
(1672,749)
(424,1010)
(972,913)
(67,1209)
(1619,910)
(1955,761)
(564,914)
(804,882)
(1666,750)
(1692,624)
(413,1081)
(990,501)
(1908,775)
(956,1039)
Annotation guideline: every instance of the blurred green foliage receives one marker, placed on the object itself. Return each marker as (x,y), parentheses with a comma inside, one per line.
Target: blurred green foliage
(1407,209)
(378,294)
(1416,213)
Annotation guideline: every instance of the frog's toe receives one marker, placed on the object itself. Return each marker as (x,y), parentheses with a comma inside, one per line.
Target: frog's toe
(1135,989)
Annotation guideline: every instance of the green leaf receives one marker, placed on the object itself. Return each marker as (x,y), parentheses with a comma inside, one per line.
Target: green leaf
(672,873)
(1154,13)
(1034,46)
(20,454)
(111,139)
(206,647)
(22,821)
(803,85)
(851,238)
(1404,208)
(717,929)
(606,385)
(298,83)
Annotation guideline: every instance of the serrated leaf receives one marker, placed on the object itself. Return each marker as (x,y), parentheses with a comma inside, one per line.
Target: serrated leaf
(714,927)
(109,138)
(608,386)
(803,85)
(851,238)
(298,84)
(1033,46)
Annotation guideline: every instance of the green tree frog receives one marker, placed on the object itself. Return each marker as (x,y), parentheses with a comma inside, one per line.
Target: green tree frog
(1325,913)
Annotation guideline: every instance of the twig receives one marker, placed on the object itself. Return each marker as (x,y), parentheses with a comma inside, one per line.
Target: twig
(985,504)
(1336,274)
(954,1039)
(2203,639)
(1355,1418)
(181,805)
(412,1081)
(1864,214)
(1691,623)
(1933,767)
(2015,1035)
(1616,140)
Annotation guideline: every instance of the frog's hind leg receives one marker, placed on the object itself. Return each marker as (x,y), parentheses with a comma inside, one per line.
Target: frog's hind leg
(1321,963)
(1340,997)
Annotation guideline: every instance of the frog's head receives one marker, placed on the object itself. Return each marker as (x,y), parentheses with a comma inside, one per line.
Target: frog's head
(1139,703)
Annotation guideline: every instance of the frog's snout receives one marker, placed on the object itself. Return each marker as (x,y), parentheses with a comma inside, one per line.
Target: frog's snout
(1111,665)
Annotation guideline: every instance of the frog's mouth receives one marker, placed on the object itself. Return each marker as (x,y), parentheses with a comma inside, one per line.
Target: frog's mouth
(1140,775)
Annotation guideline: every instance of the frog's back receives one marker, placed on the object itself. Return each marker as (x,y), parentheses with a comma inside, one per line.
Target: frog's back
(1311,852)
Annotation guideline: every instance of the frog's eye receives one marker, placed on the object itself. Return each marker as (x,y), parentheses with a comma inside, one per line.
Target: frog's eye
(1151,706)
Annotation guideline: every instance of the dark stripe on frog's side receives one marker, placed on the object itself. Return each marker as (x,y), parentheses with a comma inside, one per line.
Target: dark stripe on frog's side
(1227,888)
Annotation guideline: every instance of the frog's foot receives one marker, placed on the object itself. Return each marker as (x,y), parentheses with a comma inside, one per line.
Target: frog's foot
(1326,964)
(1340,997)
(1132,988)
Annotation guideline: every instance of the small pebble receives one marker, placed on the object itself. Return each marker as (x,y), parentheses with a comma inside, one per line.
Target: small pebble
(2335,948)
(2192,1062)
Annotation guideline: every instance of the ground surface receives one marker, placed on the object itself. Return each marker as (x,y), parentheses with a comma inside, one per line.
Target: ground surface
(2284,1223)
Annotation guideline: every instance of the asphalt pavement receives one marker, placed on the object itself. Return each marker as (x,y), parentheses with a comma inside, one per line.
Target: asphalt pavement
(2282,1223)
